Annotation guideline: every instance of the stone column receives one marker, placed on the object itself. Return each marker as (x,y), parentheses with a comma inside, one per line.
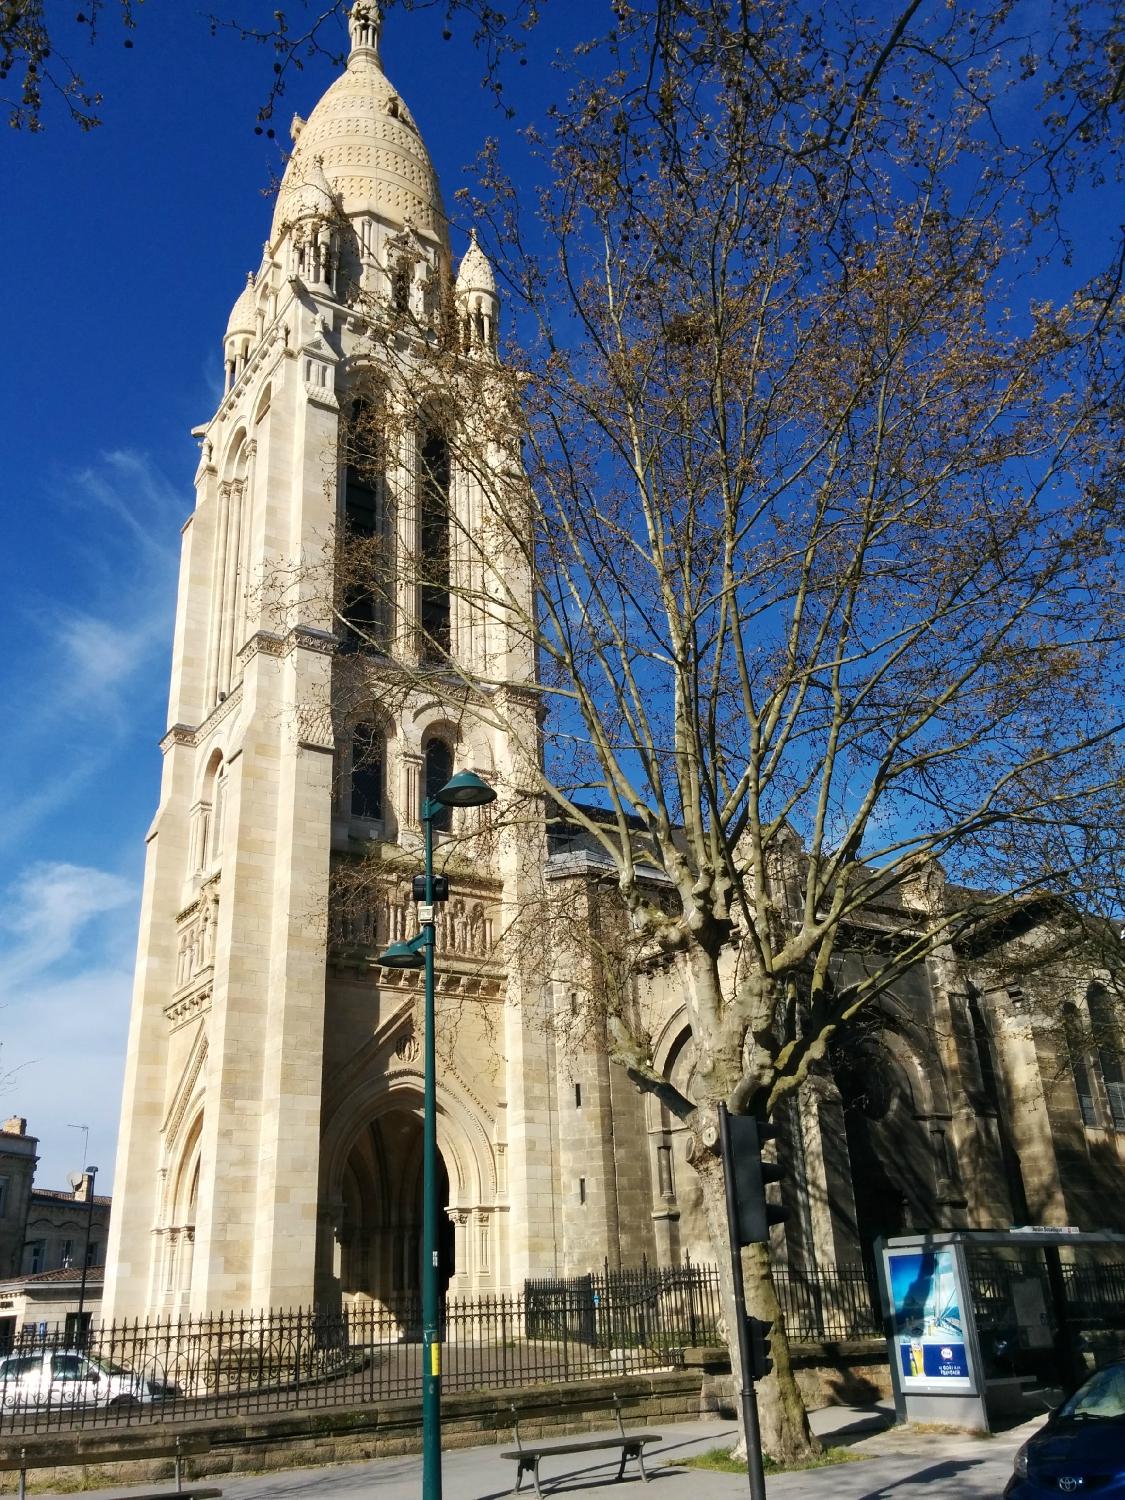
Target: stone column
(1029,1123)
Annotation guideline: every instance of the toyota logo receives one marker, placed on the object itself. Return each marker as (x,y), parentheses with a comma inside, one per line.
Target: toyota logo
(1068,1484)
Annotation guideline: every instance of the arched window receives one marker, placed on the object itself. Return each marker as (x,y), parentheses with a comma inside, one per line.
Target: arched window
(439,768)
(367,772)
(400,286)
(366,606)
(433,545)
(364,472)
(209,829)
(1107,1040)
(1076,1043)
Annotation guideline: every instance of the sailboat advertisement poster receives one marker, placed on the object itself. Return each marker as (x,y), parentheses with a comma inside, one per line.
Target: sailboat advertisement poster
(929,1336)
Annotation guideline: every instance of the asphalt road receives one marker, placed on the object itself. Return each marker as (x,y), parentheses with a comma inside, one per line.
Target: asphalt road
(895,1465)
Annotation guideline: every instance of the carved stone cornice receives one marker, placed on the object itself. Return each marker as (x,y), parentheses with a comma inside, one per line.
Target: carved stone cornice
(263,641)
(309,638)
(186,1008)
(179,734)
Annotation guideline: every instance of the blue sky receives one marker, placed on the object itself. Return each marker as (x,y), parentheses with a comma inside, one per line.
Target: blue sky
(126,247)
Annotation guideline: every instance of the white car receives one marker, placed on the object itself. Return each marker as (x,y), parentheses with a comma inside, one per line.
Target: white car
(66,1377)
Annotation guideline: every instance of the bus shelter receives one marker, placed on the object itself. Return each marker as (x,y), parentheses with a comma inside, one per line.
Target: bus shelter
(980,1322)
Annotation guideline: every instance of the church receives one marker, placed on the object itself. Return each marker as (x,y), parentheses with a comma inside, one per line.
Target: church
(270,1151)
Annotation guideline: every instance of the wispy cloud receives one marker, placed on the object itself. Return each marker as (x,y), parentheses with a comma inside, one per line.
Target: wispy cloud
(43,912)
(96,650)
(65,978)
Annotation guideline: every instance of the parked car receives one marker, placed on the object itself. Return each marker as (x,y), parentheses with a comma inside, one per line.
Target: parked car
(66,1377)
(1081,1449)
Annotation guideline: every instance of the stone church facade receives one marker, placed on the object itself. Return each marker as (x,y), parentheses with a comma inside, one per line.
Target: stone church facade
(271,1143)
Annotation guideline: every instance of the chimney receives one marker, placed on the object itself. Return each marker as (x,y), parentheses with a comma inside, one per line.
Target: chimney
(15,1125)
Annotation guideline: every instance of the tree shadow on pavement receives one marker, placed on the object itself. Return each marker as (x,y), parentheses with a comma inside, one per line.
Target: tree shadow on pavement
(863,1427)
(934,1475)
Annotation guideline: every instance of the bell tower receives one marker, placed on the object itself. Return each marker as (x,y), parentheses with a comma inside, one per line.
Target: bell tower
(269,1124)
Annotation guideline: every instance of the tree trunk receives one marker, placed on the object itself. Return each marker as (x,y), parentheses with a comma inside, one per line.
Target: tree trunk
(786,1435)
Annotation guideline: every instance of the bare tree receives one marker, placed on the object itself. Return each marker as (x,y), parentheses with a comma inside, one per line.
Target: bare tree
(31,48)
(803,499)
(37,51)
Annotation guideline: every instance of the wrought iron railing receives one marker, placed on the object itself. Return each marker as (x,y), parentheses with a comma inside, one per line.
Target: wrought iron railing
(833,1306)
(193,1368)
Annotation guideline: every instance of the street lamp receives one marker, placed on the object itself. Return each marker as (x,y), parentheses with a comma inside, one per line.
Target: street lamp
(463,790)
(87,1175)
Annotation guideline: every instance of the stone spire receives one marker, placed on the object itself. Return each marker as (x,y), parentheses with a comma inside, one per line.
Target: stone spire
(477,303)
(365,22)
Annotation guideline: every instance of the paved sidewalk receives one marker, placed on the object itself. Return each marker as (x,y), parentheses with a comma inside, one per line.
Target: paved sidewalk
(896,1465)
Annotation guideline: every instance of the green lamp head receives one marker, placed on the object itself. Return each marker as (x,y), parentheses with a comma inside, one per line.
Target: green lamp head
(466,789)
(410,955)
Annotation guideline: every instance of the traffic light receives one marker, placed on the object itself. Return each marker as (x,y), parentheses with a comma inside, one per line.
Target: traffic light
(440,884)
(752,1175)
(758,1341)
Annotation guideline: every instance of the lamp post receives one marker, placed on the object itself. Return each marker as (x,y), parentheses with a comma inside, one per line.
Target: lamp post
(86,1176)
(463,790)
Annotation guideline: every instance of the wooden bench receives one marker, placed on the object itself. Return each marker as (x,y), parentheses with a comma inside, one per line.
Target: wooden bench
(112,1451)
(628,1444)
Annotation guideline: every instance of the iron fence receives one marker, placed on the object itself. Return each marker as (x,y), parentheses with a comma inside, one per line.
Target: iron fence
(185,1369)
(1094,1291)
(832,1306)
(194,1368)
(655,1307)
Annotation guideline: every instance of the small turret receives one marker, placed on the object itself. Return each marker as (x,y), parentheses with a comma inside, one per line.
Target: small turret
(478,305)
(311,212)
(241,330)
(364,25)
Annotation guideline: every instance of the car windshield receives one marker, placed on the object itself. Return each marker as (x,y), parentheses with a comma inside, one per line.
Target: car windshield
(1103,1395)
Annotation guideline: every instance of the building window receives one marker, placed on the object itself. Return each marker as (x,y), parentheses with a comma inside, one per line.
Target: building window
(367,772)
(366,604)
(77,1332)
(67,1253)
(35,1256)
(439,768)
(582,1190)
(578,1096)
(1107,1042)
(433,546)
(1079,1067)
(92,1254)
(3,1196)
(401,276)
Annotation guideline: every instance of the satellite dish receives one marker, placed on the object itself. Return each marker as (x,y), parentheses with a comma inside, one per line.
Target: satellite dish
(76,1180)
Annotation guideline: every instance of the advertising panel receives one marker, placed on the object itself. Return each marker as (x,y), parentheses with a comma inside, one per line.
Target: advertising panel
(929,1342)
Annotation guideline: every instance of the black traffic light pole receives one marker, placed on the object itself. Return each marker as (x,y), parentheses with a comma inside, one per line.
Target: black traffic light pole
(751,1428)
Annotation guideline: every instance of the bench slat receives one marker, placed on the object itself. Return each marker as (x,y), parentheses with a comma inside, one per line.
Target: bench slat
(628,1444)
(544,1450)
(192,1492)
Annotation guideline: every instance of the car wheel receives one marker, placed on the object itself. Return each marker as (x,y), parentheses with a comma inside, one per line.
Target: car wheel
(124,1403)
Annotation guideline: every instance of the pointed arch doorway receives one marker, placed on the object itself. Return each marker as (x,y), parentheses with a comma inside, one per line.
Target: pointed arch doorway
(381,1234)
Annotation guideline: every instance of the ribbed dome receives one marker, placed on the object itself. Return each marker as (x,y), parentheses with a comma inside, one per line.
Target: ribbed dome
(475,273)
(311,198)
(244,314)
(369,146)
